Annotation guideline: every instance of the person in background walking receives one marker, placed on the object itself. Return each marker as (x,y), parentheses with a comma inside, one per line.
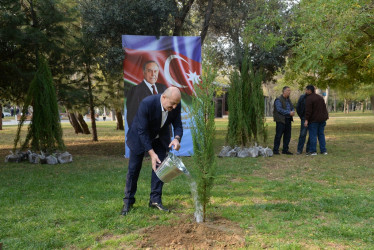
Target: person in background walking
(300,109)
(316,116)
(283,116)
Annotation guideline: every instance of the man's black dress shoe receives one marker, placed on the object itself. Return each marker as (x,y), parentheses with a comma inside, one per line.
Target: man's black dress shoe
(126,209)
(287,153)
(159,206)
(276,152)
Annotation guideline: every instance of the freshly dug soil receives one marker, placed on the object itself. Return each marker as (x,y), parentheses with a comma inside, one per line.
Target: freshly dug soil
(218,233)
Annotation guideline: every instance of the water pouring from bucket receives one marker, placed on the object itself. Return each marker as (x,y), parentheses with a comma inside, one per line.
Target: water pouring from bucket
(172,167)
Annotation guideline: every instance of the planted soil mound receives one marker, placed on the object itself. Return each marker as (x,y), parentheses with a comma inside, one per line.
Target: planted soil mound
(218,234)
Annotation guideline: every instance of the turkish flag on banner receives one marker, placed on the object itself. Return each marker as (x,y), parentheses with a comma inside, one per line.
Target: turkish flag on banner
(179,60)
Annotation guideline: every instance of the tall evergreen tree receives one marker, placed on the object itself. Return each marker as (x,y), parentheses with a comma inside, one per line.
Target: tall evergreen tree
(246,106)
(257,105)
(239,128)
(44,132)
(203,134)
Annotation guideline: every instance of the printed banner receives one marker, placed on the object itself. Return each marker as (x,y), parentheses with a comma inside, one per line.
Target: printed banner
(179,62)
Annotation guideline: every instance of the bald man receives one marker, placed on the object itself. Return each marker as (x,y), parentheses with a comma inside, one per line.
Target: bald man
(149,132)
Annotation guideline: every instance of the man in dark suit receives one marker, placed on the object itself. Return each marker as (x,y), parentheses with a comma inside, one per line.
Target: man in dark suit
(149,132)
(147,87)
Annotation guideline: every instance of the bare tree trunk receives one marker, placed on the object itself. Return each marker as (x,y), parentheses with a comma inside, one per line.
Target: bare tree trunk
(208,15)
(372,103)
(179,20)
(83,124)
(1,117)
(204,212)
(113,115)
(334,103)
(74,122)
(119,120)
(92,108)
(346,106)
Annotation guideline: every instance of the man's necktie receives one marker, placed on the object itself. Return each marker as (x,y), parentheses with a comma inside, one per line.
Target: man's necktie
(154,90)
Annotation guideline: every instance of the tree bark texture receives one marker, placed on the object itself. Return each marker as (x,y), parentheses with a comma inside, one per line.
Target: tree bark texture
(334,103)
(345,108)
(208,15)
(119,120)
(74,122)
(179,21)
(92,108)
(83,124)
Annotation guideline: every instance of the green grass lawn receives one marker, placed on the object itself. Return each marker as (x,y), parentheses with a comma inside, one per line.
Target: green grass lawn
(285,202)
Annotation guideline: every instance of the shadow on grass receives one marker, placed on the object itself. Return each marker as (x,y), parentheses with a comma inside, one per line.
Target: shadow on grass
(115,149)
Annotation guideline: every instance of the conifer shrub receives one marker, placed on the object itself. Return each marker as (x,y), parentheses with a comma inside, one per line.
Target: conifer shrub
(44,132)
(246,106)
(203,135)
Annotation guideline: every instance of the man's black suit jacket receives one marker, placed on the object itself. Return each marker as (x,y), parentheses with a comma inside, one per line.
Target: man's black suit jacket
(146,125)
(135,95)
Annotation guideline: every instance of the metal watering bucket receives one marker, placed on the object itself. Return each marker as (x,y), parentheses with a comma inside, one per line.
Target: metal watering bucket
(170,168)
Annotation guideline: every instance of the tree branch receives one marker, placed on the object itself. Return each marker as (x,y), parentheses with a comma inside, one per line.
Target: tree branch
(180,19)
(208,15)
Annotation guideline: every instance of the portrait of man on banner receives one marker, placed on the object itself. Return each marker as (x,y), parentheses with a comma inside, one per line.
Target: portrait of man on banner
(153,64)
(149,86)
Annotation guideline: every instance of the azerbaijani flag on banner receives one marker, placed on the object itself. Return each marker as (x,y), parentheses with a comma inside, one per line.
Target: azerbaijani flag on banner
(179,59)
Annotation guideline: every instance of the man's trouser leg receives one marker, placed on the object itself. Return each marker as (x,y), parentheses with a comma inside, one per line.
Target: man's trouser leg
(279,129)
(135,164)
(302,137)
(307,149)
(287,135)
(156,183)
(313,128)
(321,137)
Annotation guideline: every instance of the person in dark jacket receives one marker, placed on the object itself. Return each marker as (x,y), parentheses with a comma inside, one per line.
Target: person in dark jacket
(300,109)
(147,87)
(149,132)
(316,116)
(282,114)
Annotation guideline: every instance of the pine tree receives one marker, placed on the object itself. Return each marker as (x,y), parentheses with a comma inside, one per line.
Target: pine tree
(44,132)
(203,134)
